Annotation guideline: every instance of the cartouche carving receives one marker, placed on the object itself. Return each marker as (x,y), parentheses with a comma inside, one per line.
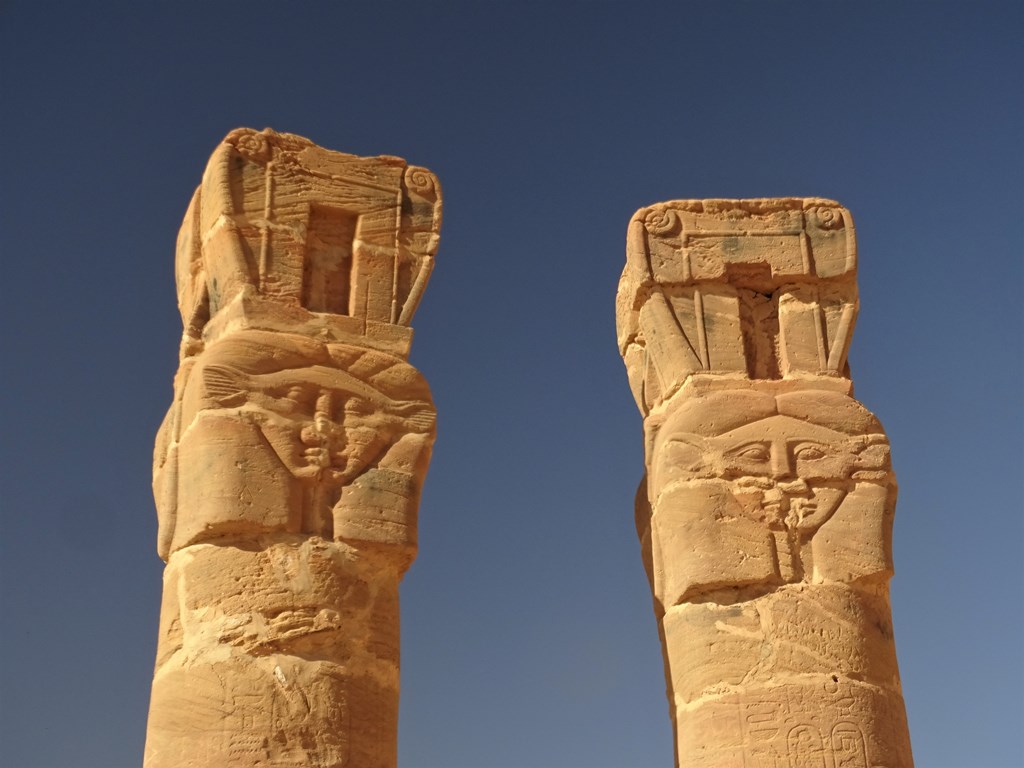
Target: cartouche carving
(766,513)
(288,470)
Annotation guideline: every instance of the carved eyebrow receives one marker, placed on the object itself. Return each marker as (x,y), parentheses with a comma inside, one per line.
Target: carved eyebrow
(693,440)
(852,443)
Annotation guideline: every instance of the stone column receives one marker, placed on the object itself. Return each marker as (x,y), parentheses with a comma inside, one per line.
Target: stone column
(765,515)
(288,470)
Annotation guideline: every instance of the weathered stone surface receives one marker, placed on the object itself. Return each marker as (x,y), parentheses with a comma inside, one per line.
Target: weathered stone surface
(765,517)
(287,473)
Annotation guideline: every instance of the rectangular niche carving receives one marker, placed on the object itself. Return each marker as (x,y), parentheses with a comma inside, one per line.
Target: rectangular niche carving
(327,272)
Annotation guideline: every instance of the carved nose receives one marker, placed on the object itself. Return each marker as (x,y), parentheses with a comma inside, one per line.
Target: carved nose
(782,467)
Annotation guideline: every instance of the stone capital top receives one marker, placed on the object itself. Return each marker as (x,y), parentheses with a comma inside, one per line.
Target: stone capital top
(284,235)
(763,289)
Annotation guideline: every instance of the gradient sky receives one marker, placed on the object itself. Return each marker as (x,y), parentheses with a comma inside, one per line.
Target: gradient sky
(528,638)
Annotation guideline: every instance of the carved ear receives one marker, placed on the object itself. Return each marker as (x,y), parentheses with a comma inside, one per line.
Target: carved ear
(643,515)
(410,454)
(165,482)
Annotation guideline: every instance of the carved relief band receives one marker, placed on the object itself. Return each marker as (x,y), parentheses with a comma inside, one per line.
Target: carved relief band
(765,515)
(288,470)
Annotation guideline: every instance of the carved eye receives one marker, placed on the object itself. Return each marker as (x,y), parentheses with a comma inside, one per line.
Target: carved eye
(753,452)
(809,453)
(681,454)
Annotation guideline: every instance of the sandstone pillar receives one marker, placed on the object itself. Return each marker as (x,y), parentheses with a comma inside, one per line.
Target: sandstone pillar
(288,470)
(765,515)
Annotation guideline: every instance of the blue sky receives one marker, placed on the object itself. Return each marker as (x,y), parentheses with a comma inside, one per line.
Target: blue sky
(528,637)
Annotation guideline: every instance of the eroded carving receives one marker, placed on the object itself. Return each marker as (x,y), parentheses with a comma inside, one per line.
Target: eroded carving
(288,470)
(766,513)
(749,478)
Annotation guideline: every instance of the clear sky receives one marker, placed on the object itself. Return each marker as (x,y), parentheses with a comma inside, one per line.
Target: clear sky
(528,637)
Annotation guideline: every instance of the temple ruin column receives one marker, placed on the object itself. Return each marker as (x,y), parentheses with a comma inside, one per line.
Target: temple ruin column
(765,515)
(288,470)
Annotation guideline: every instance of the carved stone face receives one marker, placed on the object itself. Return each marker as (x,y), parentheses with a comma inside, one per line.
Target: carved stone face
(783,471)
(792,456)
(283,433)
(740,482)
